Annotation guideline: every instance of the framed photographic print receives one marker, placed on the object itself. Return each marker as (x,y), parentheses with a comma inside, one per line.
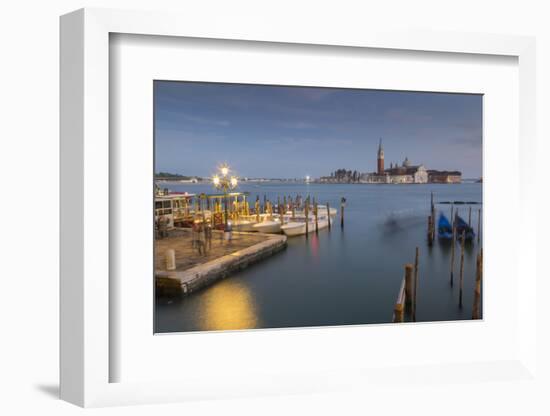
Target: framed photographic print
(290,201)
(262,241)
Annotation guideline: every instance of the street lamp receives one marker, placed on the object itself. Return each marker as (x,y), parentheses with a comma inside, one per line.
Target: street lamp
(225,183)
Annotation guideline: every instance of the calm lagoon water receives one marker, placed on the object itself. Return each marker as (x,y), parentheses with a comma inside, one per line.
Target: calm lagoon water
(341,277)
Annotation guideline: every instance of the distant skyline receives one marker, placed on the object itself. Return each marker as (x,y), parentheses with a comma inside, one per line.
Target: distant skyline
(291,132)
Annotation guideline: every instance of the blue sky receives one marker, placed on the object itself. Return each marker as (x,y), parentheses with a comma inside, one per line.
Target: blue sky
(287,132)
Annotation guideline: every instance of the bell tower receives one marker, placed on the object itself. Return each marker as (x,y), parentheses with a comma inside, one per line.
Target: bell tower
(380,160)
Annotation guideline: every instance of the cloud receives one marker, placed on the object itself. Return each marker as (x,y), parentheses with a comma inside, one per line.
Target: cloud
(300,125)
(184,137)
(204,120)
(305,141)
(178,116)
(407,115)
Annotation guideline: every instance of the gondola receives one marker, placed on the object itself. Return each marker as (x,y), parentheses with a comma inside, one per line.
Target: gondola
(444,228)
(463,227)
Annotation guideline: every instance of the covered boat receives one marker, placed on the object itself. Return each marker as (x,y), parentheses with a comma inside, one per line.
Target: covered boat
(444,228)
(463,227)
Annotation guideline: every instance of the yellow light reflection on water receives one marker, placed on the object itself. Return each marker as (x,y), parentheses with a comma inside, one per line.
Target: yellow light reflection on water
(228,305)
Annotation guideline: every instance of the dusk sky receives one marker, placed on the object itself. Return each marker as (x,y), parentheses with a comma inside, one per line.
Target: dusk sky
(291,132)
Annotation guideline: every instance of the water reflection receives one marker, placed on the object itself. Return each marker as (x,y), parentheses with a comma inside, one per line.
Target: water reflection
(314,246)
(228,305)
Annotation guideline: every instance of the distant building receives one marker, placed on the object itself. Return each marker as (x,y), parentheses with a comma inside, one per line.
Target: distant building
(395,174)
(380,159)
(406,173)
(444,176)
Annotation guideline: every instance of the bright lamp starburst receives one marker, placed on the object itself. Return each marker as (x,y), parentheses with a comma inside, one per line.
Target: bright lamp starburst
(223,182)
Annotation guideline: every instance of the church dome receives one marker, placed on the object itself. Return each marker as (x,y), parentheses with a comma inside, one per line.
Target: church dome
(406,163)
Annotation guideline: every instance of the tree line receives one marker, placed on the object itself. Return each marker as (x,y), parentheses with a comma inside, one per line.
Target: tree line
(343,175)
(167,175)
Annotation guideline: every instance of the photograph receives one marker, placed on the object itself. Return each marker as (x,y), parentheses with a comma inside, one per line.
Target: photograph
(282,206)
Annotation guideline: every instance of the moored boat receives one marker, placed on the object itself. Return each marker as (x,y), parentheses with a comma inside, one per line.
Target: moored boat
(294,228)
(462,227)
(323,210)
(444,228)
(242,225)
(297,225)
(268,226)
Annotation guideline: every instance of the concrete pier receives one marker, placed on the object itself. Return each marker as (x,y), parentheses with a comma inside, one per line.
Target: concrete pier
(194,271)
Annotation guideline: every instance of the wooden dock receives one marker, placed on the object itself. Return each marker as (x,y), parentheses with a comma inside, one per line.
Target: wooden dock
(194,270)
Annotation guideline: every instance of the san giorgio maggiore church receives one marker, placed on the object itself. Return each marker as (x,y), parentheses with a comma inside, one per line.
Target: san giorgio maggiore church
(407,173)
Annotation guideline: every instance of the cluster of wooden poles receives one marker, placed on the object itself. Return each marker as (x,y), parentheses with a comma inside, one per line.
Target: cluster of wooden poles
(237,206)
(290,204)
(479,259)
(454,215)
(309,206)
(407,296)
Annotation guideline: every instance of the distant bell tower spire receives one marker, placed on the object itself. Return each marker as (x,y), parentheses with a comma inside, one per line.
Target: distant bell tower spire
(380,160)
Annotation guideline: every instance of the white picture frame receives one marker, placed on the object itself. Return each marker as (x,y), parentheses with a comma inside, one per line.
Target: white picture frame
(86,355)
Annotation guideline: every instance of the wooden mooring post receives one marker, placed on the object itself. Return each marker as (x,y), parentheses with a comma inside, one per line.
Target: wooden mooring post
(476,309)
(342,206)
(453,244)
(409,285)
(432,207)
(478,224)
(406,296)
(415,282)
(430,234)
(328,214)
(306,212)
(399,307)
(463,239)
(469,216)
(316,213)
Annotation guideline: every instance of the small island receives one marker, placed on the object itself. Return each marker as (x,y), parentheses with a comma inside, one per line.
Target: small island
(406,173)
